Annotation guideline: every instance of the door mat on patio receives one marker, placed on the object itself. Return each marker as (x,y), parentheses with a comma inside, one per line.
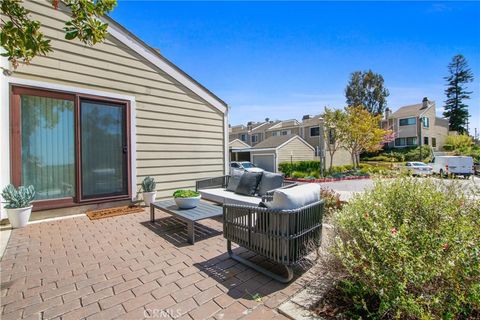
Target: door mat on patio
(112,212)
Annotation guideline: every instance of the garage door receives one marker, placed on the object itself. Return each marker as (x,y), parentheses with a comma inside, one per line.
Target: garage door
(266,162)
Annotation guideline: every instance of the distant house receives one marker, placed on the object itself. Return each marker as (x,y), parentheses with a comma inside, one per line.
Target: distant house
(274,150)
(310,129)
(416,125)
(85,125)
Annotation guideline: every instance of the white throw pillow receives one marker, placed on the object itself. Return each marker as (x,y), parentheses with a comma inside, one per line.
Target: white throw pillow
(295,197)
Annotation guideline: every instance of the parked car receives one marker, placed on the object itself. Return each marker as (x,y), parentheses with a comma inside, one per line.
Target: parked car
(476,169)
(453,165)
(418,168)
(245,166)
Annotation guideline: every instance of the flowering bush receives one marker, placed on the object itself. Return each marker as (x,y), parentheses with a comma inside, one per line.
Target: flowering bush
(412,250)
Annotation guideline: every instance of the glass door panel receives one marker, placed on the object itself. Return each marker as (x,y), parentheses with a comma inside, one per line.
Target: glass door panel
(103,149)
(47,146)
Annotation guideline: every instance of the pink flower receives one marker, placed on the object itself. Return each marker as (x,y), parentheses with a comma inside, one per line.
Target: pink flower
(394,231)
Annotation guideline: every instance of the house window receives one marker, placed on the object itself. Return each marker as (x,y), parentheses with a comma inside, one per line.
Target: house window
(434,142)
(254,138)
(407,121)
(71,148)
(402,142)
(426,122)
(425,141)
(286,132)
(411,141)
(243,137)
(314,131)
(275,133)
(331,136)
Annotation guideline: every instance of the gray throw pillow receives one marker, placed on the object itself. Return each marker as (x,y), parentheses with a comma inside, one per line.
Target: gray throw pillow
(269,181)
(249,183)
(234,180)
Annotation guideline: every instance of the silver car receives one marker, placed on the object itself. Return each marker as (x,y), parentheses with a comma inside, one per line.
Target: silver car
(245,166)
(417,168)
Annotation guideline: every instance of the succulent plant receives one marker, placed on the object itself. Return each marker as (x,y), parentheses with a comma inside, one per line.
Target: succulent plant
(18,198)
(148,184)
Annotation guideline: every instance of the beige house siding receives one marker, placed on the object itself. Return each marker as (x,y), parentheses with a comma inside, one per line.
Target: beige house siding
(440,132)
(180,137)
(298,148)
(341,157)
(293,131)
(313,141)
(406,131)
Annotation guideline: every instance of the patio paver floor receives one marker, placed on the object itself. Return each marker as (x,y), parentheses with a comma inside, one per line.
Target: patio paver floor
(127,268)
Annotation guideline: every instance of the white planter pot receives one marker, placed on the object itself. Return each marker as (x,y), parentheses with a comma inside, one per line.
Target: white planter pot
(149,197)
(19,217)
(187,203)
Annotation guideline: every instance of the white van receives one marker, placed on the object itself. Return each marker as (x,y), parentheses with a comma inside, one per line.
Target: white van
(456,165)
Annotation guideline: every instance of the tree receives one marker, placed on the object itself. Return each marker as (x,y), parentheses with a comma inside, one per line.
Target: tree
(22,39)
(455,109)
(361,132)
(367,89)
(332,120)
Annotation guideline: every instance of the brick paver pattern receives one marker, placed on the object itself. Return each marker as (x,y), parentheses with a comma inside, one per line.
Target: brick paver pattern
(127,268)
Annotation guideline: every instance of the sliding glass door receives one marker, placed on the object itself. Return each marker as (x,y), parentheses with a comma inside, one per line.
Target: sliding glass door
(103,149)
(72,148)
(47,146)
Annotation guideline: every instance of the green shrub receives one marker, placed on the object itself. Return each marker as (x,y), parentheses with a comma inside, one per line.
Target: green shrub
(422,153)
(315,174)
(298,174)
(412,251)
(459,141)
(185,194)
(304,166)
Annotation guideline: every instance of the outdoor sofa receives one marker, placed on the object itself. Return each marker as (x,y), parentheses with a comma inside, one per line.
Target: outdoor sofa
(215,189)
(284,225)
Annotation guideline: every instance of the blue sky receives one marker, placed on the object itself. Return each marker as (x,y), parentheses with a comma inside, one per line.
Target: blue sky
(285,59)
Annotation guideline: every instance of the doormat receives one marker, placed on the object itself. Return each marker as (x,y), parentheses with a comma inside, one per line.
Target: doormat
(112,212)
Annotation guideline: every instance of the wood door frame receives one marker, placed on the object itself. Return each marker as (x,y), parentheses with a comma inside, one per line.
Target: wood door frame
(16,148)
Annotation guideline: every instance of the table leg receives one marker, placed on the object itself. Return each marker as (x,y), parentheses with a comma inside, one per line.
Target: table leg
(191,232)
(152,213)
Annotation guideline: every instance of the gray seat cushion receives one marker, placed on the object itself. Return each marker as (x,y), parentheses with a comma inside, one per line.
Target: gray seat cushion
(234,180)
(269,181)
(223,196)
(249,183)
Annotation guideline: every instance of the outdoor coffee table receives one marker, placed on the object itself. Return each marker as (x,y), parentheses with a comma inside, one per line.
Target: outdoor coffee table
(204,210)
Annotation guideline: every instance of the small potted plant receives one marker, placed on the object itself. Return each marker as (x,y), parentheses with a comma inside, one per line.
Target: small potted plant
(148,188)
(186,199)
(18,204)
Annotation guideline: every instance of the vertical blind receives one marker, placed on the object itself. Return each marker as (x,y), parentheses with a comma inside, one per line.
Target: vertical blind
(48,151)
(103,139)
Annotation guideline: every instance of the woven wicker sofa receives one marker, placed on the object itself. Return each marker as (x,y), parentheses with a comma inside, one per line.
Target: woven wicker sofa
(283,236)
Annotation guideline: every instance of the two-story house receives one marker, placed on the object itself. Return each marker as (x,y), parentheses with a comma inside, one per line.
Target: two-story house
(310,129)
(251,134)
(416,125)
